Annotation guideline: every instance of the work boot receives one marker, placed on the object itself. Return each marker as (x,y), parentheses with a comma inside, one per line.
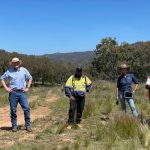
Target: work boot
(79,125)
(69,126)
(14,129)
(28,128)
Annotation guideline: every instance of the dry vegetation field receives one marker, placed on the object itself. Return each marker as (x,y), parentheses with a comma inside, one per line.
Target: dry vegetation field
(104,126)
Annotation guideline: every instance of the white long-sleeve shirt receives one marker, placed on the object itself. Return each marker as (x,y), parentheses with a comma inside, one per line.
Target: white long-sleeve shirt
(148,81)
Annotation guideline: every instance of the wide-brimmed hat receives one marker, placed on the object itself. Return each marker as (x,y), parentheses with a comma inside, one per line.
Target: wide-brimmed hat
(123,66)
(15,59)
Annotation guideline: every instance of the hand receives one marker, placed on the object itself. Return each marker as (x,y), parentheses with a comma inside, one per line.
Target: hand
(147,86)
(26,90)
(133,91)
(87,91)
(117,102)
(8,90)
(72,98)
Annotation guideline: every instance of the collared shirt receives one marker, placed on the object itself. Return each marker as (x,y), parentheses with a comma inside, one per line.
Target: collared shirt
(124,82)
(16,78)
(77,86)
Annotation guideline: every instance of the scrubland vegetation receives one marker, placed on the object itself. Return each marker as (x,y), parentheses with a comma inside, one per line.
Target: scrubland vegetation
(104,126)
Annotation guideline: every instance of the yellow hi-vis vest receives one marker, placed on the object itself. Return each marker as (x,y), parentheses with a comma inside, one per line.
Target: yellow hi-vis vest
(78,84)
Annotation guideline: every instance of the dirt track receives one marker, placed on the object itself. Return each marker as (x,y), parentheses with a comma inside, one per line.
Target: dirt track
(40,112)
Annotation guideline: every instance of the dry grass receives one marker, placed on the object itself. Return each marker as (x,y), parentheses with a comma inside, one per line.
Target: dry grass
(3,97)
(104,126)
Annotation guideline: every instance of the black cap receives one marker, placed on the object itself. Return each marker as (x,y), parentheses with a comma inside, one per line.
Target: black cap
(79,69)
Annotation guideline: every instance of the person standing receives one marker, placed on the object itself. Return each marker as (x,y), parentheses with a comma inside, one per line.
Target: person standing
(17,89)
(75,89)
(124,91)
(147,86)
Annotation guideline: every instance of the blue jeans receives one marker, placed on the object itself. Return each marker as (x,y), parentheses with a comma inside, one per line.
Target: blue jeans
(130,103)
(14,99)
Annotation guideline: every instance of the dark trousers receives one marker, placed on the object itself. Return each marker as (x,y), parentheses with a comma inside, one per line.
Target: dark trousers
(76,110)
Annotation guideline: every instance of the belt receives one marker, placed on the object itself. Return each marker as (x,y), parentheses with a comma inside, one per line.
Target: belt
(17,90)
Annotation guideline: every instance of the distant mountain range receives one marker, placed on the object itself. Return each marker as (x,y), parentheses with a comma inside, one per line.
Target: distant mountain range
(77,58)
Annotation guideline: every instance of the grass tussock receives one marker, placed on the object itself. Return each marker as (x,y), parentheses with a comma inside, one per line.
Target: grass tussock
(144,135)
(3,100)
(3,97)
(124,126)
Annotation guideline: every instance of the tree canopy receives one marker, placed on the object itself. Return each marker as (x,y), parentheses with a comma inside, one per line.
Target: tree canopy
(42,68)
(109,55)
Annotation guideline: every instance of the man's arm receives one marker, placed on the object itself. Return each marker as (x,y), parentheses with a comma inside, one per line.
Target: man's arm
(135,88)
(136,82)
(117,91)
(88,84)
(88,87)
(29,78)
(5,86)
(68,91)
(68,87)
(117,98)
(28,86)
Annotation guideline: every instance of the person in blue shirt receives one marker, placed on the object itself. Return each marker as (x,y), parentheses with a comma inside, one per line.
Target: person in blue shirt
(16,77)
(124,91)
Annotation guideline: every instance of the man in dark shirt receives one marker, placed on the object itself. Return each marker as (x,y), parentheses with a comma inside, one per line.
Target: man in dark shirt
(124,90)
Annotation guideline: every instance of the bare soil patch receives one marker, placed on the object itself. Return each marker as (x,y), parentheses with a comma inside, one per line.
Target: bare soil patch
(40,112)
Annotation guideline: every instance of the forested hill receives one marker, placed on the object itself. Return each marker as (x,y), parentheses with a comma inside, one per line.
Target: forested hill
(100,64)
(77,58)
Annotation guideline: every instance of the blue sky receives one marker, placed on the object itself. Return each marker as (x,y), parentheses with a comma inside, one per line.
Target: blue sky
(49,26)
